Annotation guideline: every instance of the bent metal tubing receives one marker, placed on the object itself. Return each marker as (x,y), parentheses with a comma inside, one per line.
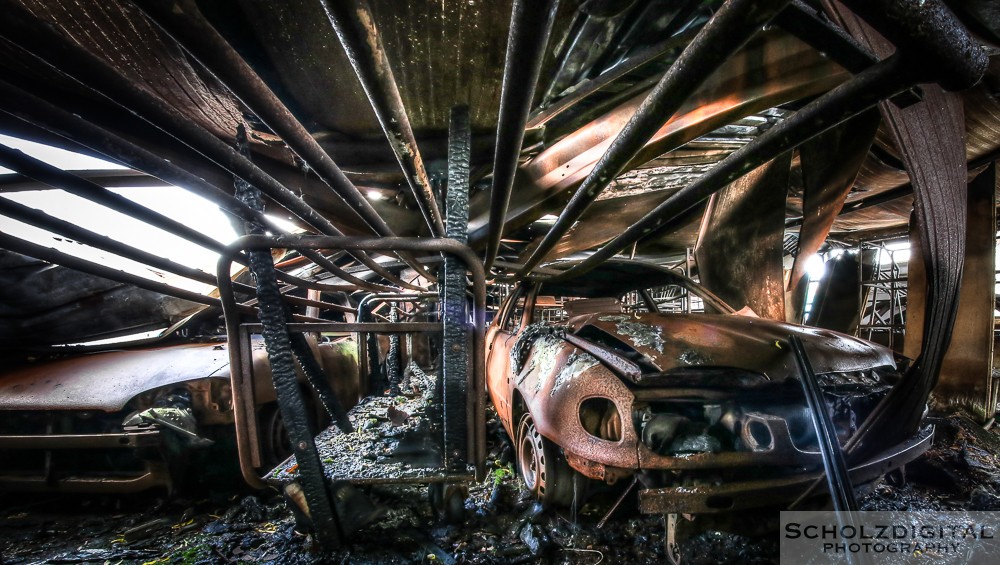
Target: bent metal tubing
(242,411)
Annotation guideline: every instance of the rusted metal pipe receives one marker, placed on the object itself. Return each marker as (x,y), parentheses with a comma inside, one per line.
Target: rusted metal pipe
(881,81)
(40,219)
(245,427)
(530,27)
(355,27)
(54,119)
(732,26)
(23,247)
(48,45)
(55,257)
(43,172)
(184,22)
(52,176)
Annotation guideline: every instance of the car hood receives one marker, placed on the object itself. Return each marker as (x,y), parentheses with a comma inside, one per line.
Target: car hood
(677,341)
(108,380)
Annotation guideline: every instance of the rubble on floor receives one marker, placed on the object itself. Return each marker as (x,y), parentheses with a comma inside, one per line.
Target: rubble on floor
(501,525)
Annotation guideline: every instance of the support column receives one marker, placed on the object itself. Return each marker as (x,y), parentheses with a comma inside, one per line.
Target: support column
(457,331)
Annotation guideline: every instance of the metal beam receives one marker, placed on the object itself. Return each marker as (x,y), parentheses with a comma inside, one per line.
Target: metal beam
(355,27)
(56,50)
(731,27)
(879,82)
(184,22)
(530,27)
(57,178)
(43,172)
(57,120)
(23,247)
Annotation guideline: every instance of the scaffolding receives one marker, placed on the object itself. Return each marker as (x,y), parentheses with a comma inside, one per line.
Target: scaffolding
(883,291)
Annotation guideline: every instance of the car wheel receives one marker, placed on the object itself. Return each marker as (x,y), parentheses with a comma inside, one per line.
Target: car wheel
(543,469)
(275,446)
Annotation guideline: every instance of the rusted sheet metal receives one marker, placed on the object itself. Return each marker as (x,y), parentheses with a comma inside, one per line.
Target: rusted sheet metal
(735,23)
(967,371)
(107,381)
(740,260)
(892,214)
(607,218)
(674,341)
(555,380)
(982,114)
(830,164)
(931,138)
(772,69)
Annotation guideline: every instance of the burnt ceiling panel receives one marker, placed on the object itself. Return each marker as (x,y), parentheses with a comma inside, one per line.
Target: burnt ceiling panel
(120,35)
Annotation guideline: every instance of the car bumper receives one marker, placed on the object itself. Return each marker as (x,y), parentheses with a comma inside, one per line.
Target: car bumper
(53,479)
(745,495)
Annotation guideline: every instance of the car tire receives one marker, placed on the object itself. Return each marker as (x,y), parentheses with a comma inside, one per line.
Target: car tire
(543,469)
(275,446)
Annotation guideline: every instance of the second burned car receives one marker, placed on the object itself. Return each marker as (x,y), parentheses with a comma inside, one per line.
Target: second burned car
(633,370)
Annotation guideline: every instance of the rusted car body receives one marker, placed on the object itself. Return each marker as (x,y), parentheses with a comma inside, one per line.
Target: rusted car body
(128,420)
(705,409)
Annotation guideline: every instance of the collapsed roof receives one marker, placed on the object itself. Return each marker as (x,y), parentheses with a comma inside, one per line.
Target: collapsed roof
(347,105)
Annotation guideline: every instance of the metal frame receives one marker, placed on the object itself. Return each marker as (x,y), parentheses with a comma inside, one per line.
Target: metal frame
(883,296)
(360,39)
(732,26)
(365,309)
(240,359)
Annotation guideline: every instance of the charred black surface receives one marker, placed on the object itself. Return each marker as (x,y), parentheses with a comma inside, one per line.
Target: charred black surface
(502,526)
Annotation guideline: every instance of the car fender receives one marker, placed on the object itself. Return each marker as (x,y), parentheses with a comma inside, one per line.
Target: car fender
(556,379)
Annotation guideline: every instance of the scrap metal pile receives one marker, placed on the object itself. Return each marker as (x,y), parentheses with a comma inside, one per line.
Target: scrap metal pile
(427,148)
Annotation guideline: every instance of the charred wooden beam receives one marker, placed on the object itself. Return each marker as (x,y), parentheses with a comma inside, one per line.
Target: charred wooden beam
(355,27)
(732,26)
(530,27)
(458,444)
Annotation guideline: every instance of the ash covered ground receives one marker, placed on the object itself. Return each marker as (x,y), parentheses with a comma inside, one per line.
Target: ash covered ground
(501,525)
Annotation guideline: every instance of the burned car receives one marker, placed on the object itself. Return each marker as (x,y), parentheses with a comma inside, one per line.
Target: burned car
(633,370)
(132,419)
